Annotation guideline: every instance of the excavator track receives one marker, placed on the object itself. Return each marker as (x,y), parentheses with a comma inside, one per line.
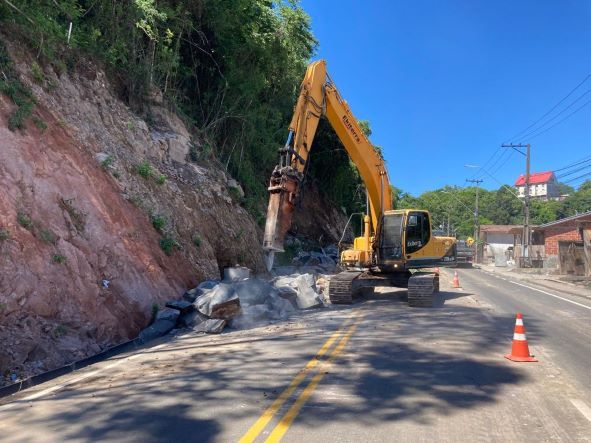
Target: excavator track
(340,289)
(423,288)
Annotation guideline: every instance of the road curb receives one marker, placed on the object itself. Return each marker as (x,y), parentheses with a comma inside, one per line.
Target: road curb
(54,373)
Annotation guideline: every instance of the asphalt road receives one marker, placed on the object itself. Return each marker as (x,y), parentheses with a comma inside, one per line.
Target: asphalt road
(557,323)
(374,371)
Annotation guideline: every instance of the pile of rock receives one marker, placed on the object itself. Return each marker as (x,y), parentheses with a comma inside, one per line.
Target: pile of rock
(239,300)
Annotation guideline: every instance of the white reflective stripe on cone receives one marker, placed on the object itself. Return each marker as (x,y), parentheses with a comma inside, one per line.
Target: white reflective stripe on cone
(520,337)
(518,322)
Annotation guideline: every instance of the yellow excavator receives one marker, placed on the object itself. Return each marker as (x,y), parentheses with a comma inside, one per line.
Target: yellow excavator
(395,245)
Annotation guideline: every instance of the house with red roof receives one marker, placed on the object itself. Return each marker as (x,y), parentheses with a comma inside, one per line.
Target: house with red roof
(542,186)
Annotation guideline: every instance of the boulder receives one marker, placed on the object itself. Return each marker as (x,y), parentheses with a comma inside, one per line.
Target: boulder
(192,294)
(168,314)
(253,291)
(307,298)
(183,306)
(236,273)
(191,319)
(211,326)
(208,284)
(156,329)
(220,302)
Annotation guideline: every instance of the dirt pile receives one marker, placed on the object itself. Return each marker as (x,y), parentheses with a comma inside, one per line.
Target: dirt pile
(102,218)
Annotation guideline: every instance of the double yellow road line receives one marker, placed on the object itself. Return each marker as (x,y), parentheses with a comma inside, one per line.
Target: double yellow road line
(344,333)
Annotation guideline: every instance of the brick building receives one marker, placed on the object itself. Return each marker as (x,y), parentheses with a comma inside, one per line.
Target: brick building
(563,244)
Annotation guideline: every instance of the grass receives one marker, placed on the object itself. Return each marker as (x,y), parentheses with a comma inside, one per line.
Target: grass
(158,222)
(169,245)
(24,220)
(37,73)
(144,169)
(59,259)
(78,217)
(161,179)
(4,234)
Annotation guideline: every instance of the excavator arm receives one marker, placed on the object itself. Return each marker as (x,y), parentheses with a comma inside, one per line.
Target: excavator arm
(319,96)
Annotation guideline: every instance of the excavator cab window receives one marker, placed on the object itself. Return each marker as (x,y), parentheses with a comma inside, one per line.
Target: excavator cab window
(418,231)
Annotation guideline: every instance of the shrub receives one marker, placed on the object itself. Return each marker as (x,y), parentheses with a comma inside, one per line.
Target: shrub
(197,240)
(107,162)
(168,245)
(144,169)
(58,258)
(161,179)
(4,234)
(158,222)
(48,236)
(24,220)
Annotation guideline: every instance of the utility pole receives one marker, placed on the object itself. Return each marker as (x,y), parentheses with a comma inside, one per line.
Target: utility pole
(525,238)
(476,221)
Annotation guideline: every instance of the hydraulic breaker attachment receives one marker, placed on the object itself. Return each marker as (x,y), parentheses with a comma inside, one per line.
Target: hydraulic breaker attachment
(283,189)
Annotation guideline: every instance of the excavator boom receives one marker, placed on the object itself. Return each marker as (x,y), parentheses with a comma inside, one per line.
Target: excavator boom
(319,96)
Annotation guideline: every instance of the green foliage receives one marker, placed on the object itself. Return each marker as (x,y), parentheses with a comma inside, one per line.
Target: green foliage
(48,236)
(24,220)
(158,222)
(144,169)
(168,244)
(40,124)
(196,240)
(455,205)
(161,179)
(4,235)
(77,217)
(231,68)
(107,162)
(58,259)
(14,88)
(37,73)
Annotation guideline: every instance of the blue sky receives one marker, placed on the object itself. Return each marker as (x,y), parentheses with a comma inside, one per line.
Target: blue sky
(444,83)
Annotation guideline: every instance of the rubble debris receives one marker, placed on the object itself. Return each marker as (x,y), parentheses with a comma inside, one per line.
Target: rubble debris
(207,284)
(211,326)
(221,302)
(183,306)
(236,273)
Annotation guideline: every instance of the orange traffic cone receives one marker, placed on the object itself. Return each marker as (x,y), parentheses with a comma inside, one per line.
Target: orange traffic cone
(456,280)
(519,349)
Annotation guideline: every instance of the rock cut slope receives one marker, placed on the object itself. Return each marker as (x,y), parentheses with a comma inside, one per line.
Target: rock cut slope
(102,218)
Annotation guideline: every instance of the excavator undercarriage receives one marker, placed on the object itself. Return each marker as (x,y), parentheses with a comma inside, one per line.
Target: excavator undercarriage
(423,287)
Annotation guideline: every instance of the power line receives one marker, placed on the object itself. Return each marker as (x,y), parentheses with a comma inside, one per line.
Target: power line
(561,120)
(574,171)
(562,111)
(552,108)
(578,162)
(577,178)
